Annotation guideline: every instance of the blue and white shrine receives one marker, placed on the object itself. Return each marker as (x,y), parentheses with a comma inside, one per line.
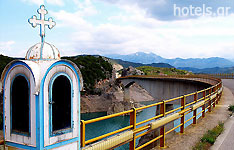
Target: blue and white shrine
(42,97)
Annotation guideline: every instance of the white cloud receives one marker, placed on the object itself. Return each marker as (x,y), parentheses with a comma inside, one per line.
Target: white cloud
(184,38)
(55,2)
(37,2)
(41,2)
(6,46)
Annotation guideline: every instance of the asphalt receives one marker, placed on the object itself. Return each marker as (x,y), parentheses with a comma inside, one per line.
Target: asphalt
(226,140)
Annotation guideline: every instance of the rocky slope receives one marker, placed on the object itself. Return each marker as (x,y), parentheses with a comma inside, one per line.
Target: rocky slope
(112,99)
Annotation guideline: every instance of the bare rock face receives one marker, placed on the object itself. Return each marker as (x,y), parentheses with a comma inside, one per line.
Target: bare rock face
(139,94)
(131,71)
(94,103)
(111,99)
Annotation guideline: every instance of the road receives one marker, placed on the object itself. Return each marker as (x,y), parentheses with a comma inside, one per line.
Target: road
(226,140)
(229,83)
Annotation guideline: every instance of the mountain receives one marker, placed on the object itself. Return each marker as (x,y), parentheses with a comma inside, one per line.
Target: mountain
(139,57)
(200,63)
(126,64)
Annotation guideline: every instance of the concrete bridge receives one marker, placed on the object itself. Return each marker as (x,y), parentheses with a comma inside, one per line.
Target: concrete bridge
(167,87)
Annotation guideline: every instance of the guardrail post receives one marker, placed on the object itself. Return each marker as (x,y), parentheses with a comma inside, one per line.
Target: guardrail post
(132,144)
(195,111)
(162,129)
(209,100)
(220,86)
(183,102)
(204,106)
(82,131)
(215,99)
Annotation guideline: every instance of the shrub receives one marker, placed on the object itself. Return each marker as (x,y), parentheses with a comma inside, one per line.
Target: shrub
(209,138)
(93,69)
(231,108)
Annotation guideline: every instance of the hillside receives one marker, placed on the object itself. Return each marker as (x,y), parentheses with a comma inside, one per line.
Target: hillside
(200,63)
(149,70)
(4,60)
(93,69)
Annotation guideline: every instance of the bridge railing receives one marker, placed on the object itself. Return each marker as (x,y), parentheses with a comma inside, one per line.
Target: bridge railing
(205,99)
(223,75)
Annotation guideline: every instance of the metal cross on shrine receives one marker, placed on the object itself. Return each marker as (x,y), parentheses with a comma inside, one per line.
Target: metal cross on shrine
(42,21)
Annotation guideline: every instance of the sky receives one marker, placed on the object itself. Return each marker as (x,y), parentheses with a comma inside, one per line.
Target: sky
(169,28)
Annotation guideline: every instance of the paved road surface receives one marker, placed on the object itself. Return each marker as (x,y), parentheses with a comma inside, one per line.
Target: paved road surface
(226,140)
(229,83)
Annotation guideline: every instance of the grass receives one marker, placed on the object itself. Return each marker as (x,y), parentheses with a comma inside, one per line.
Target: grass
(149,70)
(209,138)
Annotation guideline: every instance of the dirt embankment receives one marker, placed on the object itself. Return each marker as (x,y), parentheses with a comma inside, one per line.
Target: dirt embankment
(193,133)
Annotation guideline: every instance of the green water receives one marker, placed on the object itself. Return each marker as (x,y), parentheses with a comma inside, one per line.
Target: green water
(102,127)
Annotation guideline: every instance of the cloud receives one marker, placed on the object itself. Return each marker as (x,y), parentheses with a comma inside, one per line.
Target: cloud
(40,2)
(139,32)
(164,9)
(37,2)
(135,28)
(55,2)
(6,46)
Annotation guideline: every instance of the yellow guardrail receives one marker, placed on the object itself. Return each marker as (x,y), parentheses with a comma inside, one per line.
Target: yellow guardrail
(208,99)
(111,142)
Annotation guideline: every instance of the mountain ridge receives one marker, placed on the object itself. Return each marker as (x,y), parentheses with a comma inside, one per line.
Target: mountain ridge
(149,58)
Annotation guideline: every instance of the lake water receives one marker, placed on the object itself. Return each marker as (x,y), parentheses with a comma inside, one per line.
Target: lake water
(102,127)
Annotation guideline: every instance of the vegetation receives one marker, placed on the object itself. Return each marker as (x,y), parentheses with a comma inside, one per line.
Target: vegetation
(209,138)
(231,108)
(93,69)
(4,60)
(149,70)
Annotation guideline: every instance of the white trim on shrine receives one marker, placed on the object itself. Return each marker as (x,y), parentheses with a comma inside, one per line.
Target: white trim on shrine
(38,72)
